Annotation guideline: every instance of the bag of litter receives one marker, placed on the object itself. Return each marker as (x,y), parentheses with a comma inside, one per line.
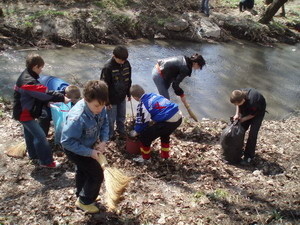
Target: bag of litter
(232,142)
(59,112)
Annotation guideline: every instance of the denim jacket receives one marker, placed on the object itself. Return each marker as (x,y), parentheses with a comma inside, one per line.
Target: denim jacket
(82,129)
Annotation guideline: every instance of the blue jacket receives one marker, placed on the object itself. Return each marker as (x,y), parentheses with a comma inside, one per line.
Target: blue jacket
(153,107)
(53,83)
(82,129)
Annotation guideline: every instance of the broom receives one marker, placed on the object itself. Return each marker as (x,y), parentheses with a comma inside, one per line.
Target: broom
(115,183)
(17,151)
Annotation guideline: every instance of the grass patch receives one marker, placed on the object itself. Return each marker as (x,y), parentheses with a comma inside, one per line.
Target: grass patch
(163,21)
(199,194)
(218,194)
(112,3)
(45,13)
(28,24)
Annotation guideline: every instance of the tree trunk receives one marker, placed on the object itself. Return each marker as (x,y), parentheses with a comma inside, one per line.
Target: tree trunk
(271,11)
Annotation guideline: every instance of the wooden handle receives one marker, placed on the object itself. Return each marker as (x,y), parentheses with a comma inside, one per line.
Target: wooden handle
(191,113)
(102,161)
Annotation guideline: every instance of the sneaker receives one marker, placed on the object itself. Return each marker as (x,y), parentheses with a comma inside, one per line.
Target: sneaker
(91,208)
(54,164)
(141,160)
(246,161)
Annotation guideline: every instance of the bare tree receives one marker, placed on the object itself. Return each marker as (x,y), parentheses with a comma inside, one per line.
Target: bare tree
(271,11)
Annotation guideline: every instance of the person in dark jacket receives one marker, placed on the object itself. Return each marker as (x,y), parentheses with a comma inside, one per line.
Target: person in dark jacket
(246,5)
(172,71)
(29,98)
(117,75)
(250,111)
(165,114)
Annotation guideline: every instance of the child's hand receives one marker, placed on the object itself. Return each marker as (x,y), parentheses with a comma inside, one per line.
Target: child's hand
(183,99)
(236,117)
(67,100)
(95,154)
(100,147)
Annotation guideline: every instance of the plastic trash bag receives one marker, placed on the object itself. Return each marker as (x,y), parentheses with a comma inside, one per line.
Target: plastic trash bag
(232,142)
(59,112)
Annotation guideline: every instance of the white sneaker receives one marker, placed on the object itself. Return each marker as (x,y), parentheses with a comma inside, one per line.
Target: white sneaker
(141,160)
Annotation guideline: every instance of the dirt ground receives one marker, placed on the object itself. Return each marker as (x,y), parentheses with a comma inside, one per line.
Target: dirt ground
(196,186)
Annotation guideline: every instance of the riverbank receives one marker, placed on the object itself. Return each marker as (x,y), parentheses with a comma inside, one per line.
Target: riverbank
(194,187)
(49,24)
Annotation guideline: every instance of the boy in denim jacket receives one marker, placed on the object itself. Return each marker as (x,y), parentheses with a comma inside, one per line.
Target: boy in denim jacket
(86,123)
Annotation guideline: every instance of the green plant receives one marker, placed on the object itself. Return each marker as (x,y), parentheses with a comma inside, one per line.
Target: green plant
(28,24)
(218,194)
(120,19)
(163,21)
(199,194)
(4,100)
(45,13)
(276,215)
(100,4)
(113,3)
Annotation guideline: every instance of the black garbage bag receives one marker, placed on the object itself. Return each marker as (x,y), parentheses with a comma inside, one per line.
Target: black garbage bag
(232,142)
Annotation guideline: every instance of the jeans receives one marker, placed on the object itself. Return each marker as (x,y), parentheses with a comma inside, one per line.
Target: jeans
(161,84)
(205,7)
(45,119)
(159,129)
(117,114)
(254,124)
(89,177)
(36,142)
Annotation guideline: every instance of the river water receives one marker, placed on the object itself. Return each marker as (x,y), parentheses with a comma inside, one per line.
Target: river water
(275,72)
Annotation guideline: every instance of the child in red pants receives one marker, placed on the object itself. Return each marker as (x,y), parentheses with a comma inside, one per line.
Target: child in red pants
(165,114)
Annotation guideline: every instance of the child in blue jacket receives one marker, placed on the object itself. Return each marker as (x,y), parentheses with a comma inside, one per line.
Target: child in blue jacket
(56,84)
(86,124)
(165,114)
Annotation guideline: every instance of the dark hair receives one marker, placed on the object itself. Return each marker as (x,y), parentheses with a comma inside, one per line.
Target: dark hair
(121,52)
(96,90)
(33,60)
(196,58)
(137,91)
(237,96)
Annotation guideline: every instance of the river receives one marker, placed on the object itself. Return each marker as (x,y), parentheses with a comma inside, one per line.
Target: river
(275,72)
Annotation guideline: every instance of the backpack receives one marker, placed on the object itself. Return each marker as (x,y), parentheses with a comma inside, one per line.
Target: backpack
(232,142)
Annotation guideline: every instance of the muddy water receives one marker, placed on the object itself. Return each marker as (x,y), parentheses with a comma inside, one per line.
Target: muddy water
(273,71)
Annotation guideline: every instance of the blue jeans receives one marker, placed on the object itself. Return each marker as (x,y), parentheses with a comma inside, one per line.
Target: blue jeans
(45,119)
(36,142)
(161,84)
(117,114)
(205,7)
